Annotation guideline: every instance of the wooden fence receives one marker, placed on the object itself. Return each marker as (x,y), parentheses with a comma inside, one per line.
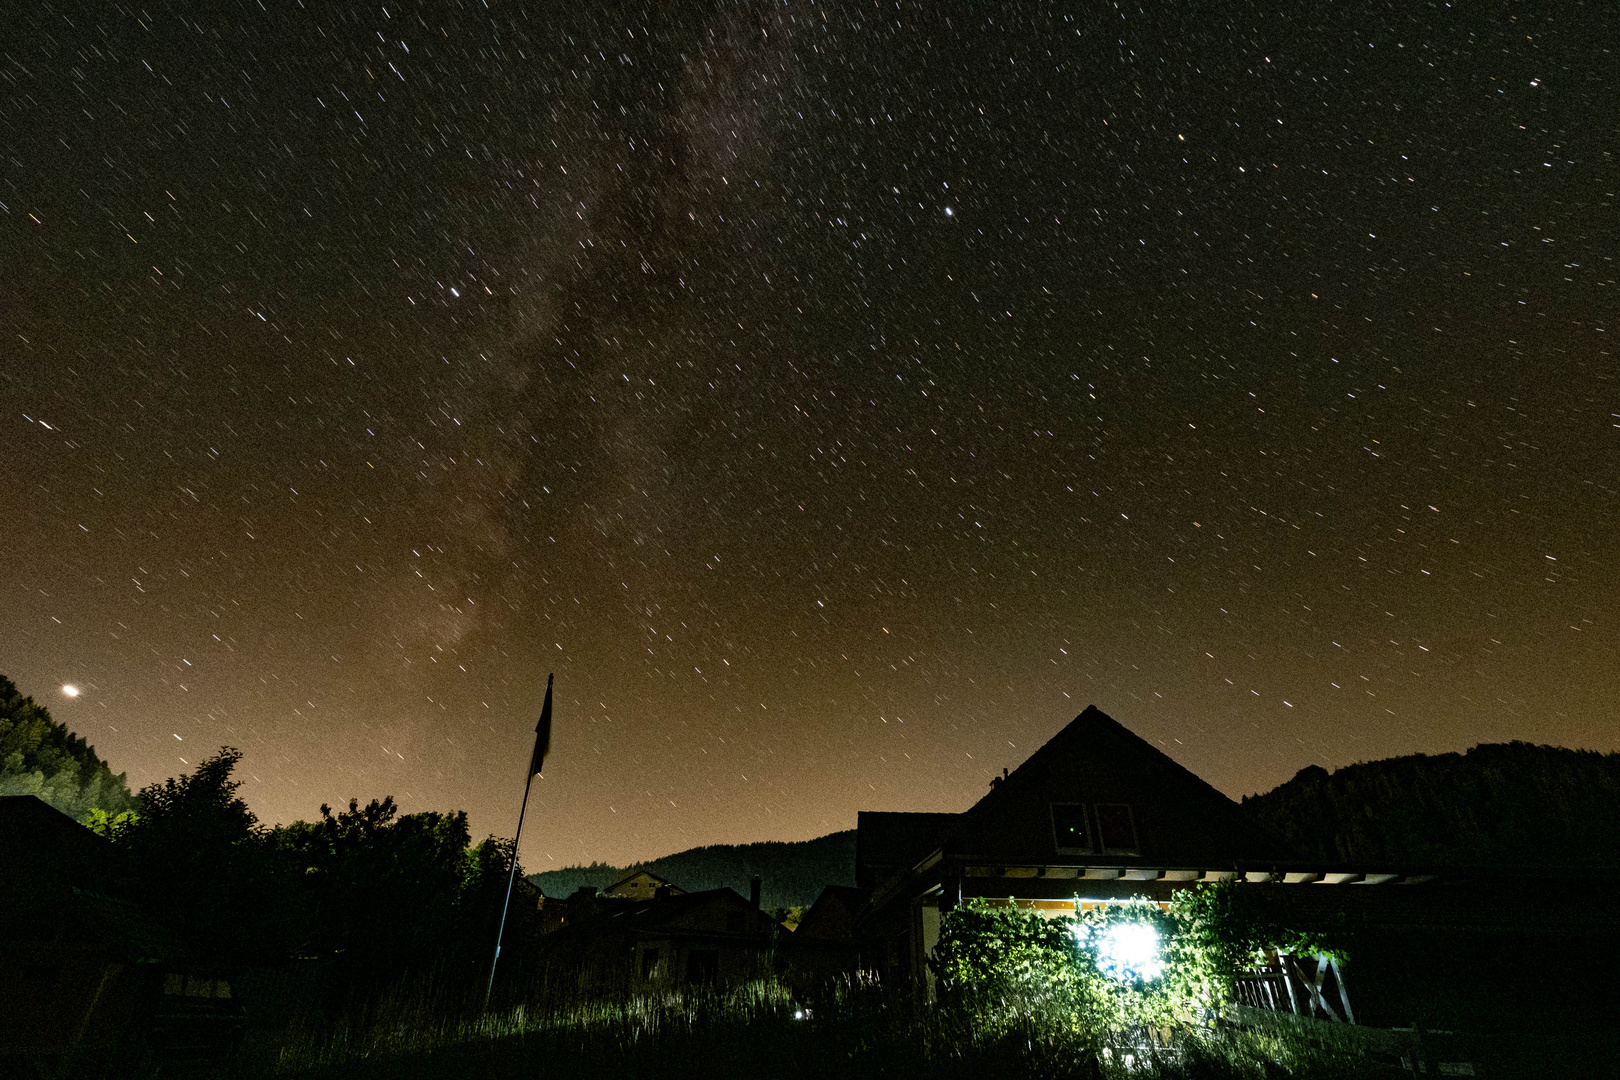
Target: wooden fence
(1311,986)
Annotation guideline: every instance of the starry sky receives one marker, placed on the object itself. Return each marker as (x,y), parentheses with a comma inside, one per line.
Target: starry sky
(837,397)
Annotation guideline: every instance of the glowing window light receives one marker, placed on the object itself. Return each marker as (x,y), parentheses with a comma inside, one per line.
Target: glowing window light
(1130,950)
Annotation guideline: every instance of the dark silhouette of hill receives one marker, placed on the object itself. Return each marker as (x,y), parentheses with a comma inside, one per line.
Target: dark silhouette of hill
(40,757)
(792,874)
(1498,804)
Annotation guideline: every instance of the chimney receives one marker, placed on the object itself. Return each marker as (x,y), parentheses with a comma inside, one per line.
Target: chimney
(995,781)
(753,892)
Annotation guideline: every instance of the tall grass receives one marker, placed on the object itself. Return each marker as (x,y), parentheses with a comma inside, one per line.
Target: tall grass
(426,1029)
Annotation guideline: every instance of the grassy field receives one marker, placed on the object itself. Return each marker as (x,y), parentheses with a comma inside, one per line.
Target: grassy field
(420,1031)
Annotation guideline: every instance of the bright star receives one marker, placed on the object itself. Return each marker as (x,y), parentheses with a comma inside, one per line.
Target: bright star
(70,690)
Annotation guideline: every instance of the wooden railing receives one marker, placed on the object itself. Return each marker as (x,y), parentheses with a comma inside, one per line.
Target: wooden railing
(1304,985)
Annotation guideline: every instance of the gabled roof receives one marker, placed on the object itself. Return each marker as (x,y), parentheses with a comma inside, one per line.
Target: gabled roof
(643,873)
(41,845)
(1179,819)
(833,916)
(55,885)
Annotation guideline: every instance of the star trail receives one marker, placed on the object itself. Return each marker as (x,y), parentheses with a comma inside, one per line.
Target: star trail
(838,397)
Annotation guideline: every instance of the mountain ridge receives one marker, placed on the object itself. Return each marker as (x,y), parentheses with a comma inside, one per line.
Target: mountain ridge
(792,873)
(1510,803)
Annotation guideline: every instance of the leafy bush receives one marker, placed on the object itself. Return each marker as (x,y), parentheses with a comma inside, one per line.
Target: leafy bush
(1006,968)
(1130,966)
(1141,966)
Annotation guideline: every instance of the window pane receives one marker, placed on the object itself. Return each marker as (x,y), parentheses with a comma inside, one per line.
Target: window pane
(1069,827)
(1117,830)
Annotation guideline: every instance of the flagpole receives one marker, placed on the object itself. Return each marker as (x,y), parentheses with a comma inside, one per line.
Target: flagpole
(542,743)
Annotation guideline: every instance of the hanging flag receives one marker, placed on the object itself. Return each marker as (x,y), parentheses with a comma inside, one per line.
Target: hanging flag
(542,733)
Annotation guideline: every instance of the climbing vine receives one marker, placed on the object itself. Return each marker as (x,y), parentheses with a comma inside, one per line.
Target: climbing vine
(1129,964)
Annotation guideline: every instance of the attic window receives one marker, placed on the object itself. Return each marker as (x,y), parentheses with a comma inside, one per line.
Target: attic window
(1069,831)
(1116,829)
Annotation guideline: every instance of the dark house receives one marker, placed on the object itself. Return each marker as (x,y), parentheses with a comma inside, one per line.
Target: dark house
(84,970)
(705,938)
(1095,815)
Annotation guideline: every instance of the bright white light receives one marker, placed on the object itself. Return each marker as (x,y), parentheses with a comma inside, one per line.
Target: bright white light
(1131,951)
(949,212)
(70,690)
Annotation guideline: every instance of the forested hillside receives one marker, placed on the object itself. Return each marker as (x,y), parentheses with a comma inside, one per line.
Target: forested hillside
(1498,804)
(792,874)
(41,757)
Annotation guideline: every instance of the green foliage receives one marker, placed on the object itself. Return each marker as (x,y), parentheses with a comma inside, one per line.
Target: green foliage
(374,884)
(984,946)
(382,893)
(386,892)
(1181,988)
(43,758)
(1006,966)
(114,827)
(1228,929)
(1535,805)
(197,855)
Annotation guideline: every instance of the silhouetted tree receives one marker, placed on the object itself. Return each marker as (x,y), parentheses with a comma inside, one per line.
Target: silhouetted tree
(197,857)
(385,892)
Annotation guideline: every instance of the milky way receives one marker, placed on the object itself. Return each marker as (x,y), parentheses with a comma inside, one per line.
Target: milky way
(837,397)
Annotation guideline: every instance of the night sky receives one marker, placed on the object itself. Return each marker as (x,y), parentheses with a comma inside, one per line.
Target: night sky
(838,397)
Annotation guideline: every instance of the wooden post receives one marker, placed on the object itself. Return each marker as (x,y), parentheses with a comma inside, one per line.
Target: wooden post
(1288,981)
(1344,994)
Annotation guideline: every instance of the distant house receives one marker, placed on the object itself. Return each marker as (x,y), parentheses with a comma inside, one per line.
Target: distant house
(643,885)
(703,938)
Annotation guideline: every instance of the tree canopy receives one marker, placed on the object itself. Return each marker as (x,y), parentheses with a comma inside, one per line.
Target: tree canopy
(368,888)
(40,757)
(1497,803)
